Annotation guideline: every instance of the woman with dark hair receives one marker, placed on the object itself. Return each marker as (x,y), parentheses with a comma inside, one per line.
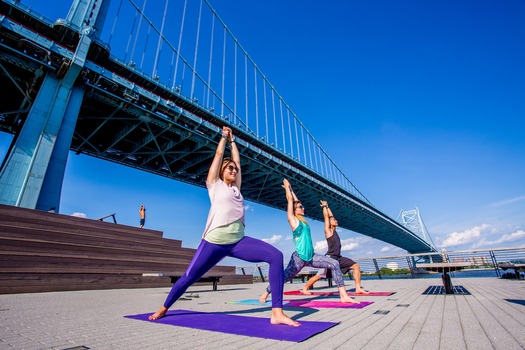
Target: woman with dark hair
(224,233)
(304,250)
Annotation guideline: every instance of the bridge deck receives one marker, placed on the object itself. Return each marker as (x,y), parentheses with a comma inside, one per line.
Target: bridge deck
(492,316)
(131,119)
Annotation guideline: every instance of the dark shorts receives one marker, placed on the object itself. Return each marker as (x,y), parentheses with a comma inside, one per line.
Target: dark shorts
(142,221)
(345,264)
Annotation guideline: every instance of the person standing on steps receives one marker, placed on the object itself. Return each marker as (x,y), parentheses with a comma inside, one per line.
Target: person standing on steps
(142,213)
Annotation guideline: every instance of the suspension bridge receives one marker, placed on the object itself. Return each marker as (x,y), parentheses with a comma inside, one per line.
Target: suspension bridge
(119,81)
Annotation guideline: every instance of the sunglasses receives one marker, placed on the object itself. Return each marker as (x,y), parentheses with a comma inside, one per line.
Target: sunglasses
(232,168)
(299,207)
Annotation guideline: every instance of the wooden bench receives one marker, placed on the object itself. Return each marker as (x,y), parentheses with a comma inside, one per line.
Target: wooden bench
(515,267)
(174,278)
(308,272)
(445,268)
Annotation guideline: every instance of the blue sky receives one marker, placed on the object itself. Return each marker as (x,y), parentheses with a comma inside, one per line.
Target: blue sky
(420,103)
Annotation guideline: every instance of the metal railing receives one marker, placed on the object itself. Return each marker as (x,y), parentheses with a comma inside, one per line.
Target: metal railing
(109,216)
(405,266)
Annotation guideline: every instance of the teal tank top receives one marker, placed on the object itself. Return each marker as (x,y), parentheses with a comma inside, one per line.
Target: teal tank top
(303,241)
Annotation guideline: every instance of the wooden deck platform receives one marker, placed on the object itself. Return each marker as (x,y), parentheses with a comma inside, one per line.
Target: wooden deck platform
(491,317)
(46,252)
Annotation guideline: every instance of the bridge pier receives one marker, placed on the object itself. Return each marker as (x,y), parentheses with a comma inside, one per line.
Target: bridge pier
(51,189)
(33,173)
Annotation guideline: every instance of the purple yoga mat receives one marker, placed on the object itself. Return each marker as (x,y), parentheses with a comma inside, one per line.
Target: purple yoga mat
(352,294)
(326,304)
(240,325)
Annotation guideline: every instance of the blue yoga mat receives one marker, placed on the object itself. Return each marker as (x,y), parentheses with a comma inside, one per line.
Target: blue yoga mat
(240,325)
(306,303)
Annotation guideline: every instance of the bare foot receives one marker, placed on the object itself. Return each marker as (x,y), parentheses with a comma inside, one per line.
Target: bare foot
(306,291)
(263,297)
(278,317)
(361,291)
(349,300)
(345,298)
(159,314)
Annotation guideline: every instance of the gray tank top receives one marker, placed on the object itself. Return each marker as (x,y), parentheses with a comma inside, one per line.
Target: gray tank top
(334,245)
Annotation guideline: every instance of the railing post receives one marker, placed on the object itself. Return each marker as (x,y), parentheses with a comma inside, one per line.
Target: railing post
(377,269)
(410,265)
(261,273)
(496,268)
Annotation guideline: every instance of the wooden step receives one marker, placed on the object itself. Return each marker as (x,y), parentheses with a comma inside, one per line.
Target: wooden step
(46,282)
(63,236)
(41,251)
(24,215)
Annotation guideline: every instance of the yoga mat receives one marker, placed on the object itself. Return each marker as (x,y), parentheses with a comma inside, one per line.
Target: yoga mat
(253,302)
(352,294)
(240,325)
(305,303)
(327,304)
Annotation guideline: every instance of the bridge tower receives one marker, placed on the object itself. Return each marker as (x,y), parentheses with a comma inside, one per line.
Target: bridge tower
(33,172)
(412,220)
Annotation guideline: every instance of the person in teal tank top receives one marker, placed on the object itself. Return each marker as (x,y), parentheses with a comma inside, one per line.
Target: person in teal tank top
(304,254)
(303,241)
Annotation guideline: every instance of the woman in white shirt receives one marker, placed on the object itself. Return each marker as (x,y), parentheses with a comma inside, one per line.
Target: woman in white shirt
(224,233)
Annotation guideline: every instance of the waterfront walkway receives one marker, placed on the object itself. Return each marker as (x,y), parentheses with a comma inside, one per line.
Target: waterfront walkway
(491,317)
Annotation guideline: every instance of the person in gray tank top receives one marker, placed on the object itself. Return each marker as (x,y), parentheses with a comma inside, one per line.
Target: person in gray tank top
(334,251)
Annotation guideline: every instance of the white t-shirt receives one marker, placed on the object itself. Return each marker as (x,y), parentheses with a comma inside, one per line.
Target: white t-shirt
(227,205)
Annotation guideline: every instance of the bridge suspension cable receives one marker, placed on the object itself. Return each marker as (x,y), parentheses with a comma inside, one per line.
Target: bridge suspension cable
(167,42)
(142,122)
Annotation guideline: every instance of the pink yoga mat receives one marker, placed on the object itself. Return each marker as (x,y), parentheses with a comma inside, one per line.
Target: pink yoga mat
(315,304)
(352,294)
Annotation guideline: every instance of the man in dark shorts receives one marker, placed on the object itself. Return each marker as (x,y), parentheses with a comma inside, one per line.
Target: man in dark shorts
(334,251)
(142,213)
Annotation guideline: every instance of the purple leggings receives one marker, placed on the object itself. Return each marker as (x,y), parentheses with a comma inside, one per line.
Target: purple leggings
(248,249)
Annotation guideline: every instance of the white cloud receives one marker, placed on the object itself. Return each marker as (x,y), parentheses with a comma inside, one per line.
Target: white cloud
(467,236)
(506,201)
(79,215)
(508,237)
(274,239)
(349,246)
(385,249)
(321,245)
(248,208)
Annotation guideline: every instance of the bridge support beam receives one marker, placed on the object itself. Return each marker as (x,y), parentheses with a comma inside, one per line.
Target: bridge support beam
(35,167)
(33,173)
(52,186)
